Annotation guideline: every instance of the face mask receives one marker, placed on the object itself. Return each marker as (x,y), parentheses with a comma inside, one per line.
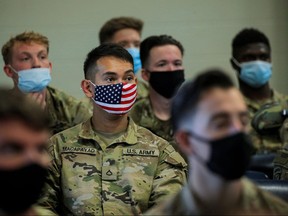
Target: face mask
(21,188)
(255,73)
(230,156)
(116,98)
(166,83)
(135,53)
(33,80)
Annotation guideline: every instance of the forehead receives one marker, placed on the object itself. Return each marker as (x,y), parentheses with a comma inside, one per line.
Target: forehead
(17,131)
(165,51)
(112,63)
(217,100)
(253,48)
(126,34)
(28,47)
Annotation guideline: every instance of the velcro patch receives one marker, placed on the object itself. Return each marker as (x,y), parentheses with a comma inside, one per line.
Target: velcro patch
(141,152)
(67,149)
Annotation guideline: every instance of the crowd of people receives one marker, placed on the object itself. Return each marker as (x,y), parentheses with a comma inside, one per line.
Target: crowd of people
(145,141)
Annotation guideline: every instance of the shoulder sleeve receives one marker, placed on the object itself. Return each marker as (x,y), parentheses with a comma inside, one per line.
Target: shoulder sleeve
(170,176)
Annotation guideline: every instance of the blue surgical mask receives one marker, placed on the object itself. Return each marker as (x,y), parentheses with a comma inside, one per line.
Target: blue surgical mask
(135,53)
(33,80)
(255,73)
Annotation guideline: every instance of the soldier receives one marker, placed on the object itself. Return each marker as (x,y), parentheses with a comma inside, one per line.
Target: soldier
(251,58)
(163,68)
(27,64)
(23,154)
(108,165)
(126,31)
(210,120)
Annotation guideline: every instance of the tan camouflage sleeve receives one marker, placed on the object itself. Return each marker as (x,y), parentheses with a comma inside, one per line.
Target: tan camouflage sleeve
(49,200)
(170,177)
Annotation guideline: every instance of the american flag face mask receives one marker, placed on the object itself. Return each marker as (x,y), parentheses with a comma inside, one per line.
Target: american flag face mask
(115,98)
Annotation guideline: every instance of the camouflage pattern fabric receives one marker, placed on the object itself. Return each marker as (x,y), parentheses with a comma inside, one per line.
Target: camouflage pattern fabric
(142,90)
(142,114)
(64,110)
(264,143)
(254,201)
(280,171)
(134,172)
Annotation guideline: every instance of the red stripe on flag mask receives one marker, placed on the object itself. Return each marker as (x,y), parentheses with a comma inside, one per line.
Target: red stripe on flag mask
(115,98)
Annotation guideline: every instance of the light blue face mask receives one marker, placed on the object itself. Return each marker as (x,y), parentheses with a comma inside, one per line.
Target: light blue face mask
(135,53)
(33,80)
(255,73)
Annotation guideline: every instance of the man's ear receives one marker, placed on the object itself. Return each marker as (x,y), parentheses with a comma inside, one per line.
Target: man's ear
(87,87)
(183,142)
(8,71)
(50,66)
(145,75)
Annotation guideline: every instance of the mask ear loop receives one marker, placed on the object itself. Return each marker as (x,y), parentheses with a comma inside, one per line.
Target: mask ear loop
(93,98)
(236,62)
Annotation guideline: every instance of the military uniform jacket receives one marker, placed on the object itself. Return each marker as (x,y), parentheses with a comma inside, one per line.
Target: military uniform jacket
(270,142)
(253,201)
(136,171)
(142,114)
(65,111)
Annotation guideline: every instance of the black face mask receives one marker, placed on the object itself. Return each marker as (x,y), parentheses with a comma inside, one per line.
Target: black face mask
(166,83)
(21,188)
(230,156)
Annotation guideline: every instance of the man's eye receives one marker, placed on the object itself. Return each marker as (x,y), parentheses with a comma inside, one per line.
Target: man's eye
(109,79)
(43,57)
(24,59)
(9,149)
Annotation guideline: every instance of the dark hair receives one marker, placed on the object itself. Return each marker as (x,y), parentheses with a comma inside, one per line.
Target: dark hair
(17,106)
(115,24)
(188,96)
(248,36)
(153,41)
(106,49)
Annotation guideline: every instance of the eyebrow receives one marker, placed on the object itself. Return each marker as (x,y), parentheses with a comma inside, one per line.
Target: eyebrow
(223,115)
(111,73)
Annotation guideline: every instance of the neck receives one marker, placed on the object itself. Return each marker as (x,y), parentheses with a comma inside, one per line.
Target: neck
(108,123)
(262,93)
(161,106)
(211,191)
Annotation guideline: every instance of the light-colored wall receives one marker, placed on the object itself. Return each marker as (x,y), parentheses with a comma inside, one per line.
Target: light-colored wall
(205,28)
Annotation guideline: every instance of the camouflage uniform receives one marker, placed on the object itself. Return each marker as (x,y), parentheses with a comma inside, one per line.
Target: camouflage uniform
(253,201)
(281,165)
(65,111)
(143,115)
(264,143)
(142,90)
(124,177)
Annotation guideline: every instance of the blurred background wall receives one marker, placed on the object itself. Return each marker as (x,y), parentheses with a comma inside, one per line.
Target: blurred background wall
(205,28)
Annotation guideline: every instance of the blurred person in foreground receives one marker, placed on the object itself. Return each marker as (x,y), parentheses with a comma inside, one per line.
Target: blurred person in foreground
(23,154)
(210,120)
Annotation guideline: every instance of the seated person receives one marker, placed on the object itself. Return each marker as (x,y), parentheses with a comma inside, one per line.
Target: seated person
(210,120)
(162,60)
(27,64)
(108,165)
(126,31)
(251,58)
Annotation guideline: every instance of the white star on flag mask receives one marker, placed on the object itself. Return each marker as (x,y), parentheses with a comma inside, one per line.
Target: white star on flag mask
(115,98)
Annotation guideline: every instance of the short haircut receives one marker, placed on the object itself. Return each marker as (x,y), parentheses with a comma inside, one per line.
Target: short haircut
(153,41)
(248,36)
(104,50)
(184,104)
(17,106)
(26,37)
(115,24)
